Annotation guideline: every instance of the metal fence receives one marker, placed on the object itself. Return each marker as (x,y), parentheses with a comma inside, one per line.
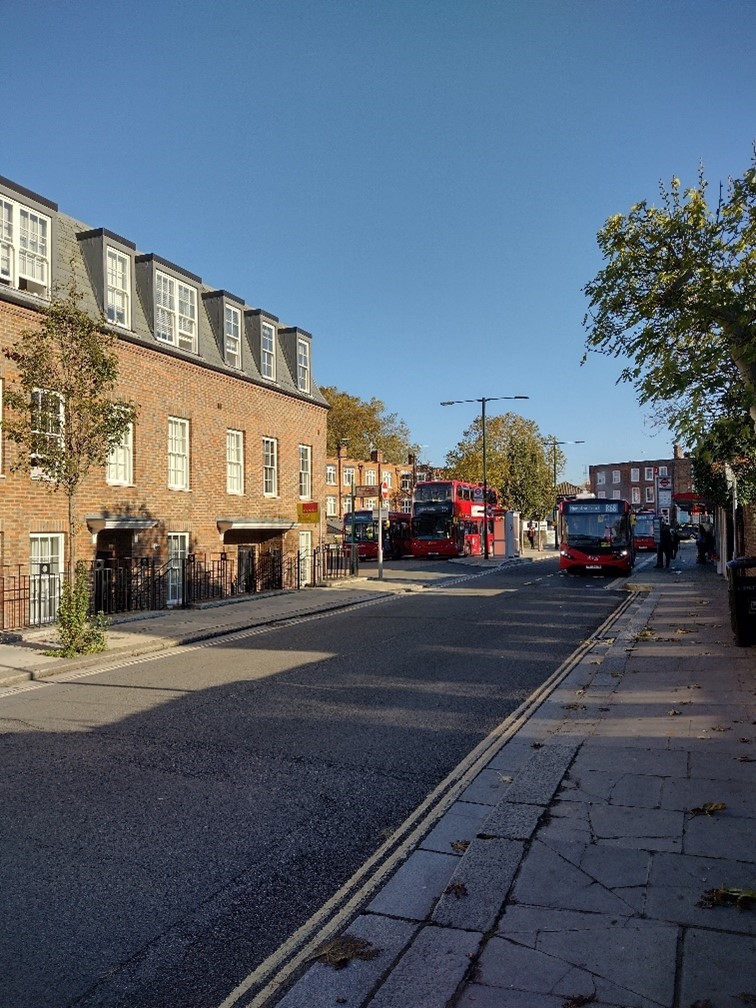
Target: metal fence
(142,585)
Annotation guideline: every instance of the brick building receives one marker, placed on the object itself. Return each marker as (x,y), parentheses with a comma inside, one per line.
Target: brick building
(363,478)
(647,485)
(226,457)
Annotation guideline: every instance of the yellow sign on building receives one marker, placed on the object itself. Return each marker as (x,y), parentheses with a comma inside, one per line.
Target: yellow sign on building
(308,511)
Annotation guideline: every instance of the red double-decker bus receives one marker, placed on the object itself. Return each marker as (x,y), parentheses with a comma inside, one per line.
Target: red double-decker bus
(596,535)
(447,519)
(361,528)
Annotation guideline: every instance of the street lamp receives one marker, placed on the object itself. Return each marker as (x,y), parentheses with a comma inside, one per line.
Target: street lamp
(553,443)
(483,400)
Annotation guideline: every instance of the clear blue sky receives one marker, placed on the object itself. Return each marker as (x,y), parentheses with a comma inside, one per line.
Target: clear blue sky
(418,183)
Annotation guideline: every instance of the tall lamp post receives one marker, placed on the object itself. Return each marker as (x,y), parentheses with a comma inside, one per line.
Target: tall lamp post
(483,400)
(553,444)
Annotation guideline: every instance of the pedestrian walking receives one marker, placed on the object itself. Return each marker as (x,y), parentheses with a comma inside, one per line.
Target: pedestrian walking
(664,548)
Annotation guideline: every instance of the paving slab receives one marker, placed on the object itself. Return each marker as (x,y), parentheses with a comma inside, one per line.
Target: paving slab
(433,967)
(552,877)
(414,889)
(480,884)
(718,968)
(324,985)
(677,883)
(458,825)
(596,959)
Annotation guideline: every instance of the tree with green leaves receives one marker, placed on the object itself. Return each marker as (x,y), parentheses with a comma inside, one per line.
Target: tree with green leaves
(519,462)
(364,426)
(60,411)
(677,298)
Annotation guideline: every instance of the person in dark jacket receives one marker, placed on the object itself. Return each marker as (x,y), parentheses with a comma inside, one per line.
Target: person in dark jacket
(665,548)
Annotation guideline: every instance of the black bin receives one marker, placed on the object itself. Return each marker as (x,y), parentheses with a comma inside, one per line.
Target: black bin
(741,578)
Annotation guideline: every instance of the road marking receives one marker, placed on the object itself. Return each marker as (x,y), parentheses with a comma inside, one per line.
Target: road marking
(267,980)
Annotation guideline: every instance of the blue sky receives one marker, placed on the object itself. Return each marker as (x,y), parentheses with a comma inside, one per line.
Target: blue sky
(418,183)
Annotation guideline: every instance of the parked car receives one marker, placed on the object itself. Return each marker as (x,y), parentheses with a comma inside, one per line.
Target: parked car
(687,531)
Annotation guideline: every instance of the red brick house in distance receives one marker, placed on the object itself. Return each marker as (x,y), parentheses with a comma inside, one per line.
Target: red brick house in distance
(226,459)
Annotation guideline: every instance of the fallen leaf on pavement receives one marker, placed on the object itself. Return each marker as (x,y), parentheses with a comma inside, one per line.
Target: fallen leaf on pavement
(709,808)
(742,898)
(458,889)
(460,845)
(339,951)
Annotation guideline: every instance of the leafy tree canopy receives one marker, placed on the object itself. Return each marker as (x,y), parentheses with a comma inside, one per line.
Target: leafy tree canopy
(365,426)
(520,462)
(677,297)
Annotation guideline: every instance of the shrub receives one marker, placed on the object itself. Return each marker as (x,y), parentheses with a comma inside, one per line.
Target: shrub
(80,631)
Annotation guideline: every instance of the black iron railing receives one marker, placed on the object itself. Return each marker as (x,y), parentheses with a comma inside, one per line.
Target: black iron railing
(145,584)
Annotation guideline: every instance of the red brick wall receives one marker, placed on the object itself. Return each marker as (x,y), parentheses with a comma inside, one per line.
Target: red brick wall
(163,386)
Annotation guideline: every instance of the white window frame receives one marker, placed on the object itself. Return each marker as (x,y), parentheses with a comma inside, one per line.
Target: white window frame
(600,478)
(232,336)
(235,462)
(635,475)
(268,351)
(635,495)
(119,468)
(331,506)
(178,453)
(601,494)
(388,478)
(370,503)
(45,548)
(25,238)
(371,477)
(117,287)
(650,496)
(648,474)
(663,471)
(178,550)
(406,482)
(270,467)
(46,420)
(616,476)
(305,472)
(303,365)
(616,494)
(175,312)
(406,505)
(348,476)
(330,475)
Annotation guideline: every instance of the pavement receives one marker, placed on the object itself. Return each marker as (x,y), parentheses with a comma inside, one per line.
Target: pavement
(598,848)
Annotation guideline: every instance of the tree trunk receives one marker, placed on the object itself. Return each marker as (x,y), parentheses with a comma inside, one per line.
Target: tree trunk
(71,544)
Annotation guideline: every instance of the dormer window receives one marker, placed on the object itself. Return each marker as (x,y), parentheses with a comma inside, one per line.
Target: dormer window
(24,248)
(268,351)
(232,336)
(303,365)
(118,291)
(110,264)
(175,312)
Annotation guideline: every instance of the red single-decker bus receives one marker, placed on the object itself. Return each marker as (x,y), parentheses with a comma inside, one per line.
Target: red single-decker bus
(596,535)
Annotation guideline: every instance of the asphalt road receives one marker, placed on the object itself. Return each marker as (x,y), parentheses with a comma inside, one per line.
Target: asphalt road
(167,825)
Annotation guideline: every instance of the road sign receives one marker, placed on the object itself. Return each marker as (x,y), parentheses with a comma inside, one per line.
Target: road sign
(384,491)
